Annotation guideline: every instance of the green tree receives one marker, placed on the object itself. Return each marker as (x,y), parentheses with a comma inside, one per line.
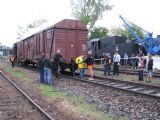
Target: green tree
(98,32)
(21,31)
(89,11)
(123,31)
(119,31)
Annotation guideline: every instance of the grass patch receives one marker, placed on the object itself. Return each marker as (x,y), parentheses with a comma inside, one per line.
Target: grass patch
(49,91)
(156,81)
(16,72)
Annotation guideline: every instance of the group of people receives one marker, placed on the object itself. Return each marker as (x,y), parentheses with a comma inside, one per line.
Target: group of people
(83,62)
(135,59)
(108,61)
(45,67)
(88,62)
(144,63)
(140,62)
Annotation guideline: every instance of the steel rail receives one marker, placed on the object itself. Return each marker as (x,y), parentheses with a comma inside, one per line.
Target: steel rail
(131,72)
(132,87)
(48,117)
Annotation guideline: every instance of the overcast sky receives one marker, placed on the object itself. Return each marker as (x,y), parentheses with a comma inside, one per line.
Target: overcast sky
(144,13)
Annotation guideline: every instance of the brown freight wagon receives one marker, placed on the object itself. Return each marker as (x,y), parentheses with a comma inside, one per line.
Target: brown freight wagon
(70,36)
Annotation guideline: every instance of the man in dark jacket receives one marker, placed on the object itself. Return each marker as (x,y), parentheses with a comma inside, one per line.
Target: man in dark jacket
(150,67)
(107,63)
(47,70)
(41,67)
(57,59)
(90,61)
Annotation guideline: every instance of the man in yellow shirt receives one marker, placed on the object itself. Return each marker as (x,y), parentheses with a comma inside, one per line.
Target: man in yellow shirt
(81,65)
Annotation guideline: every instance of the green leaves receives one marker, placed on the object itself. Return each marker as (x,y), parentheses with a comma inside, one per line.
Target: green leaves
(123,31)
(98,32)
(89,11)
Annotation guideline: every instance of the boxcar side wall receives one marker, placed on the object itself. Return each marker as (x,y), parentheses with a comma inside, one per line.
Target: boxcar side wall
(67,35)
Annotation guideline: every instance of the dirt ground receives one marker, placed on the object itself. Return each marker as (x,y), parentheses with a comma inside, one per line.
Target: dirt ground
(57,108)
(13,106)
(60,109)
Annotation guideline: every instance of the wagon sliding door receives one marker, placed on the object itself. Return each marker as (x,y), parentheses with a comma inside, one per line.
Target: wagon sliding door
(81,42)
(60,42)
(31,49)
(19,50)
(48,41)
(26,49)
(71,46)
(41,43)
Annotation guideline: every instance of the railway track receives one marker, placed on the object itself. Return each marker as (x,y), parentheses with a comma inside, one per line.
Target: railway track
(130,86)
(35,106)
(133,87)
(131,72)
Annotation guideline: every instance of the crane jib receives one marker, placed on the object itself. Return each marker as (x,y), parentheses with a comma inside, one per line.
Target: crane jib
(146,43)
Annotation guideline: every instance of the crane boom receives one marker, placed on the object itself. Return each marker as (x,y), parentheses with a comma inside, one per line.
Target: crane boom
(146,43)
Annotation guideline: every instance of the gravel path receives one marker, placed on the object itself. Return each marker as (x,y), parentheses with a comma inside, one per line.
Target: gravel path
(134,107)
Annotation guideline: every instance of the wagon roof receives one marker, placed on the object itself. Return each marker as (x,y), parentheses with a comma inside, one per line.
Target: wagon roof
(70,24)
(63,24)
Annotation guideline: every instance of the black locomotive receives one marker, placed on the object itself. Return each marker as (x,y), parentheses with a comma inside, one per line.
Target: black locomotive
(111,43)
